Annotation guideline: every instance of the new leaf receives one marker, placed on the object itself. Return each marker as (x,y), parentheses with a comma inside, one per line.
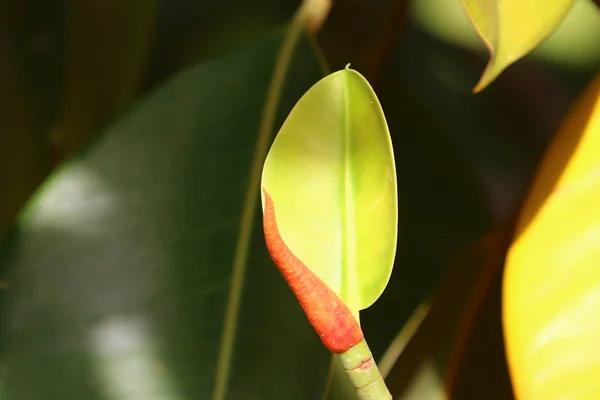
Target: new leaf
(331,175)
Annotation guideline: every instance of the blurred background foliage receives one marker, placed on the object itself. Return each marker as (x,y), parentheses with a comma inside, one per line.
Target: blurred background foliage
(69,69)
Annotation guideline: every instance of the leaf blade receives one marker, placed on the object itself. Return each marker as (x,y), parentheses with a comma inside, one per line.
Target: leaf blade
(551,279)
(331,174)
(134,240)
(512,28)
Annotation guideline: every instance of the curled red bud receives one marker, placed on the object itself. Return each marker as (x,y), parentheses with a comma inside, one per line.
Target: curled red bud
(328,314)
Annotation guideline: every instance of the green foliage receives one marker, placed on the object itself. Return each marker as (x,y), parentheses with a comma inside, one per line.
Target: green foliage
(138,270)
(331,174)
(120,271)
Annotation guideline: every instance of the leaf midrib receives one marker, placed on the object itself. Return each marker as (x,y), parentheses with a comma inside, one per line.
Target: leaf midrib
(348,226)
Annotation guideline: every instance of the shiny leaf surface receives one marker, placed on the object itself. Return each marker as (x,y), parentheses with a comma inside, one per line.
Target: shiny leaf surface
(552,279)
(512,28)
(331,174)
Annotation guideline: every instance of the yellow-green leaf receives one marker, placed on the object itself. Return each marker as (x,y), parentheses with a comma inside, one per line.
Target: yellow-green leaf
(331,175)
(512,28)
(551,284)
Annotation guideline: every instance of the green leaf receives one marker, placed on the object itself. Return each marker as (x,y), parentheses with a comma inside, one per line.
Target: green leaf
(120,274)
(331,175)
(512,28)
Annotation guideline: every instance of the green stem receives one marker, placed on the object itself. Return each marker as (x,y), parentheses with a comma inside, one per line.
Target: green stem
(364,374)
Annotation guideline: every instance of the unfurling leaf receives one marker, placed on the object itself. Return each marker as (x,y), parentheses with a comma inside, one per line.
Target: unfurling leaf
(331,175)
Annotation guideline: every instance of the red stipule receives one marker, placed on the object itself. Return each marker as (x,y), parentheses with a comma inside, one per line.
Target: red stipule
(328,314)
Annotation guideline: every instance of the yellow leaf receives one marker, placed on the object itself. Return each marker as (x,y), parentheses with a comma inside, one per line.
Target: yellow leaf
(512,28)
(551,289)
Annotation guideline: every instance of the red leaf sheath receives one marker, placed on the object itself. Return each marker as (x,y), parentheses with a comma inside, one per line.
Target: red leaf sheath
(328,314)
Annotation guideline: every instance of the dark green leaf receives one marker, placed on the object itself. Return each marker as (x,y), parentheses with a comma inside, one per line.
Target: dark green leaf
(120,270)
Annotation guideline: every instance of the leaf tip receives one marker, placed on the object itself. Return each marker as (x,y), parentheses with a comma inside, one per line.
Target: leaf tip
(491,72)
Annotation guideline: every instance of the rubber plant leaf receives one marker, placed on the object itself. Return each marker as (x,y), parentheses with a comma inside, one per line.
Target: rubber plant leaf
(330,174)
(551,284)
(117,281)
(512,28)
